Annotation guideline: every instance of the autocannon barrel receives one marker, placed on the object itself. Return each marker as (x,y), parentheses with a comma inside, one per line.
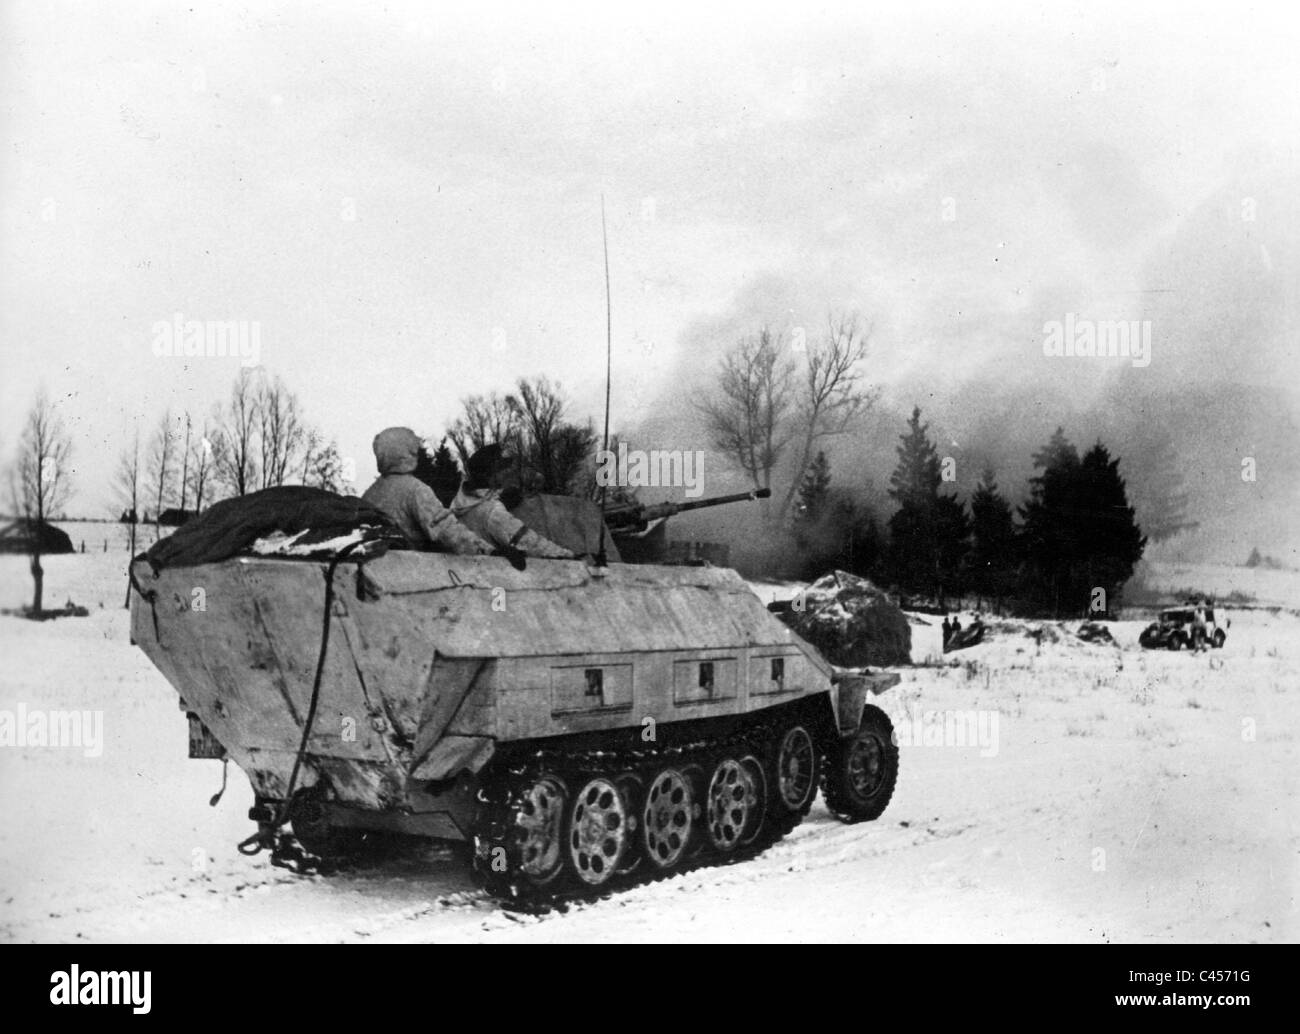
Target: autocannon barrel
(635,515)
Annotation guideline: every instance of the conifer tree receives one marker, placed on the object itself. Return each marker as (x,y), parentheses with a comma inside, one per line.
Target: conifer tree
(1080,534)
(439,471)
(1112,541)
(813,491)
(1050,530)
(993,540)
(928,533)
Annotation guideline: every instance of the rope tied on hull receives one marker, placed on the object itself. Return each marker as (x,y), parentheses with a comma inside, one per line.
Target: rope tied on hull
(150,596)
(286,852)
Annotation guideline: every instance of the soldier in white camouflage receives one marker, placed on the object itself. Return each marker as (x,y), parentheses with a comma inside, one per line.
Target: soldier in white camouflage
(412,505)
(479,507)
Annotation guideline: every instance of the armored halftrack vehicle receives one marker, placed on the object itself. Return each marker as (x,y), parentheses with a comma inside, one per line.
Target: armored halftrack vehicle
(582,726)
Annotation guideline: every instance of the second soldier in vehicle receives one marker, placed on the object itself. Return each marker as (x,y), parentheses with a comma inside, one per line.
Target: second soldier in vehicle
(479,507)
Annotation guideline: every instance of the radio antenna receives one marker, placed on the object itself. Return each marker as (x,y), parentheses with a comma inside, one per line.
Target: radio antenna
(601,559)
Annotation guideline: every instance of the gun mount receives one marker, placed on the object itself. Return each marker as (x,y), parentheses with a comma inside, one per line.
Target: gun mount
(640,531)
(625,518)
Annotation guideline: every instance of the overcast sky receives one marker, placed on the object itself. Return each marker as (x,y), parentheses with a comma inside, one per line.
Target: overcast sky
(408,202)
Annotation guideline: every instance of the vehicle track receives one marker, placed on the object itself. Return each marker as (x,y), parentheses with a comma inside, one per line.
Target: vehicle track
(501,862)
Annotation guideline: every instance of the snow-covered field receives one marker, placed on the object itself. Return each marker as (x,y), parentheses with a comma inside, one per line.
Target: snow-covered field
(1111,795)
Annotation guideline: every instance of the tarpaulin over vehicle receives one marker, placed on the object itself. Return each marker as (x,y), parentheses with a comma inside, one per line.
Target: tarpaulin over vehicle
(306,515)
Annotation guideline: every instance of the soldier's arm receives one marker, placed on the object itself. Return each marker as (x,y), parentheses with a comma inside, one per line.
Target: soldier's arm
(508,530)
(537,545)
(442,527)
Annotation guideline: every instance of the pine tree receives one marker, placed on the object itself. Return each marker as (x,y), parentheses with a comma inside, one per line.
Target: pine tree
(846,537)
(865,546)
(1113,543)
(326,470)
(1051,532)
(818,533)
(1080,533)
(928,533)
(916,479)
(861,544)
(813,491)
(993,534)
(439,471)
(952,541)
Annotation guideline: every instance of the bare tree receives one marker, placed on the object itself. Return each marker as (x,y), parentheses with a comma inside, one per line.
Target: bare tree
(163,455)
(747,410)
(280,431)
(235,446)
(539,410)
(486,419)
(201,466)
(831,394)
(39,482)
(551,451)
(185,465)
(128,492)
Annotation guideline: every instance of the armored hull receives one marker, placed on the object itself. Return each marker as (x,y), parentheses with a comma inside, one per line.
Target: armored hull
(576,723)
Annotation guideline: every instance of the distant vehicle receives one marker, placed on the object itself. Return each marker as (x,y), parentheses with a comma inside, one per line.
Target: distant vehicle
(1173,630)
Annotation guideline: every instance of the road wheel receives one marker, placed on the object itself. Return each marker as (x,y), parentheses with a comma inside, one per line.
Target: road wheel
(1175,643)
(753,769)
(600,829)
(797,766)
(730,805)
(862,769)
(539,830)
(666,821)
(1219,639)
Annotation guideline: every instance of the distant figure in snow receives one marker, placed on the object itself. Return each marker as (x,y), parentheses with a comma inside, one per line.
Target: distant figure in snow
(1199,639)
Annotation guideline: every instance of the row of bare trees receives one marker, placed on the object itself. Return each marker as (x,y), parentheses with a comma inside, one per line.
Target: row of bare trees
(774,403)
(554,454)
(767,407)
(258,439)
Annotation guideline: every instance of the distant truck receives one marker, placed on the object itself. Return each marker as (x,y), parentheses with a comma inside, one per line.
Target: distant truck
(1173,629)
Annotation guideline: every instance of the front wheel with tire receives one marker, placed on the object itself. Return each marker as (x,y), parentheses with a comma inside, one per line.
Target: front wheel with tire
(862,769)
